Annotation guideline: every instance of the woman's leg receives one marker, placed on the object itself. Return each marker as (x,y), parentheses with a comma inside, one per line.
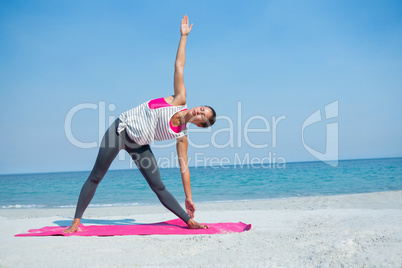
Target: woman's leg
(110,147)
(146,163)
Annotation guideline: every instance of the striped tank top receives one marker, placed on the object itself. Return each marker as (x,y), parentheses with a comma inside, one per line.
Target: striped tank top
(151,121)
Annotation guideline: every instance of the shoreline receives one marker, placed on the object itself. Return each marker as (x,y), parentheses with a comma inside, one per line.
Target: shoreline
(203,203)
(351,230)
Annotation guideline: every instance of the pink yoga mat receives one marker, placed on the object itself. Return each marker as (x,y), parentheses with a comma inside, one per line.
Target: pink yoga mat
(172,227)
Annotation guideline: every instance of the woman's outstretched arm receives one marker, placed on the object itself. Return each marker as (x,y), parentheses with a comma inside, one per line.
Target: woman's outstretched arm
(182,145)
(179,97)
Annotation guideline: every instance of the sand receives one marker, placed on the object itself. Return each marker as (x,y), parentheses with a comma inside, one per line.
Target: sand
(360,230)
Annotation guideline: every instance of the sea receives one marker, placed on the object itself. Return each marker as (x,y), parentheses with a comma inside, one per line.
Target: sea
(209,184)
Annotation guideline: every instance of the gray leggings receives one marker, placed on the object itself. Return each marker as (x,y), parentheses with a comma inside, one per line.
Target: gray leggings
(143,157)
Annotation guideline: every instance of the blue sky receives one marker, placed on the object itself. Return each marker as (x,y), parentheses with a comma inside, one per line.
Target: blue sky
(271,58)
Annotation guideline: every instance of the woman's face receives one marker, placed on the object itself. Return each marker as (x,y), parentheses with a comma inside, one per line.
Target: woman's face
(199,115)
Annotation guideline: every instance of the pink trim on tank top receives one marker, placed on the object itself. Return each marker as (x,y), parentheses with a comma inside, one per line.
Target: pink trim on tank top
(158,103)
(177,129)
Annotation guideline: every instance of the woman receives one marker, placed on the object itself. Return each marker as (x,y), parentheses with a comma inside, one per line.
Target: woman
(160,119)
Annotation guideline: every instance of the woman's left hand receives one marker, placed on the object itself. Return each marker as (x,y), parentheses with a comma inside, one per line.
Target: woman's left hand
(190,207)
(185,28)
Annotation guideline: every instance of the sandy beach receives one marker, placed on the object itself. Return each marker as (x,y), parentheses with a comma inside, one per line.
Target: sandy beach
(360,230)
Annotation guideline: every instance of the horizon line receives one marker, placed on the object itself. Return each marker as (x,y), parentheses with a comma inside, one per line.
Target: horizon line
(228,165)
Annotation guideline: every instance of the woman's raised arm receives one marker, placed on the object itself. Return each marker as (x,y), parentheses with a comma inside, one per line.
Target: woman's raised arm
(179,97)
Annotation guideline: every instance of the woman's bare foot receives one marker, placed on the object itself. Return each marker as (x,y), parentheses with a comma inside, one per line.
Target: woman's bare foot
(192,224)
(74,226)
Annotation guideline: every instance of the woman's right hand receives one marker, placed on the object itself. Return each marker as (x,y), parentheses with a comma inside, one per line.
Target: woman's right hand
(190,208)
